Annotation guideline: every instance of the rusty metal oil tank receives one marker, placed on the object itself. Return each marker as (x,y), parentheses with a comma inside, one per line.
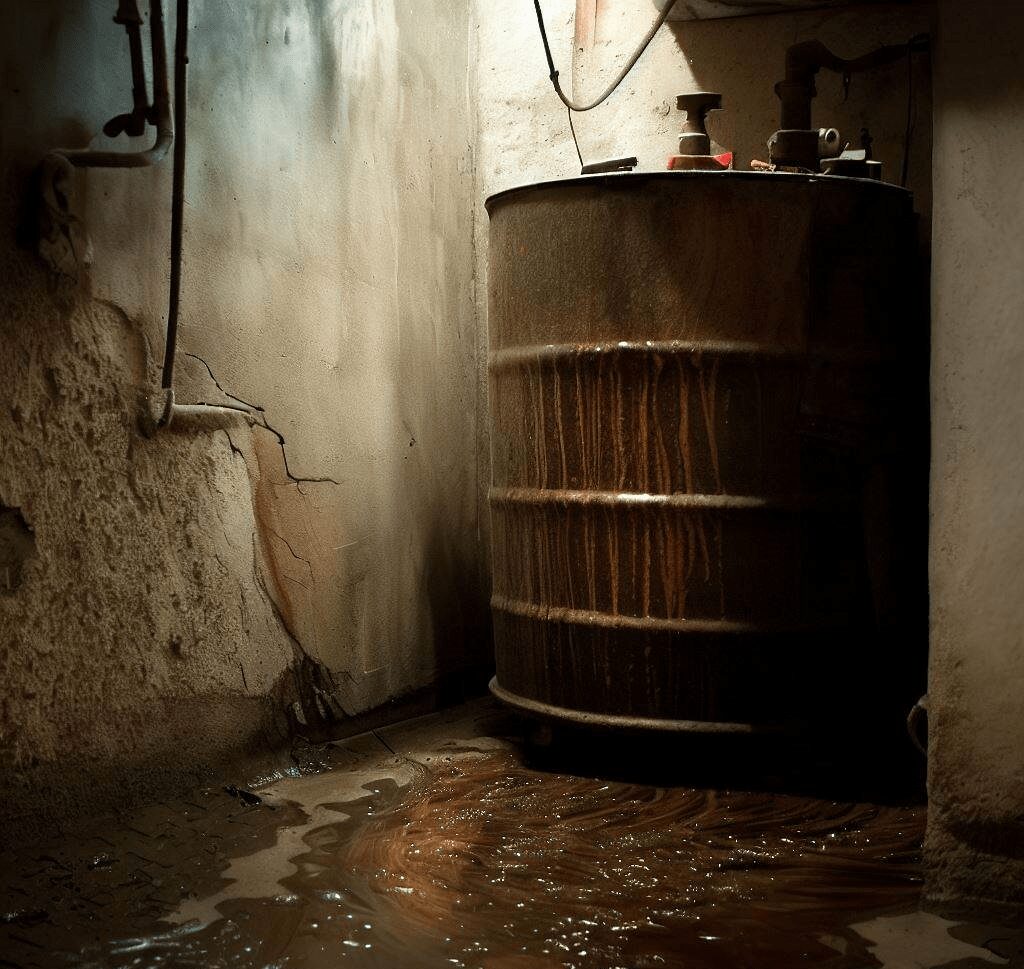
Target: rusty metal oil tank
(691,391)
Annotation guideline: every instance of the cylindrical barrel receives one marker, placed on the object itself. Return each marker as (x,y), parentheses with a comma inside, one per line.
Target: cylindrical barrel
(690,396)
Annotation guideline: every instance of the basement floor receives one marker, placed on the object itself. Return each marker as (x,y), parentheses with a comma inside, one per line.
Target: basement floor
(446,841)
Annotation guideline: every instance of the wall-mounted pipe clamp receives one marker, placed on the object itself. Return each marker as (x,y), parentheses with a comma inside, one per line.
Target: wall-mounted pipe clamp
(163,411)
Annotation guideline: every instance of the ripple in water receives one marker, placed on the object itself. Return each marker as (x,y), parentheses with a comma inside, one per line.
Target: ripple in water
(489,864)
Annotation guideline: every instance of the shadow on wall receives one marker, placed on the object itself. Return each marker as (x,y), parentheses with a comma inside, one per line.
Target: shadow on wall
(463,647)
(17,546)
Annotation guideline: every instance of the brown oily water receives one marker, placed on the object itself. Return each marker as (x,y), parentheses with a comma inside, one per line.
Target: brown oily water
(486,863)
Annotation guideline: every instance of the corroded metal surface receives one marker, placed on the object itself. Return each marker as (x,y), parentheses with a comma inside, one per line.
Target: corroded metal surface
(691,381)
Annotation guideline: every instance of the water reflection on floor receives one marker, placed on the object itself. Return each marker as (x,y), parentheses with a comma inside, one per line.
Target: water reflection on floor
(434,844)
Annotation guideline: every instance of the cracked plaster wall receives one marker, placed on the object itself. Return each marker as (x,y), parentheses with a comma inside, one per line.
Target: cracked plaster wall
(975,845)
(175,594)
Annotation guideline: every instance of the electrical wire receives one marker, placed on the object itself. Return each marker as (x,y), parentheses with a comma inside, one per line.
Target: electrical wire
(572,129)
(644,44)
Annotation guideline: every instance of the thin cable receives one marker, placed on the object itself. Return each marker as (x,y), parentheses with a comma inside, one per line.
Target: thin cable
(553,74)
(572,128)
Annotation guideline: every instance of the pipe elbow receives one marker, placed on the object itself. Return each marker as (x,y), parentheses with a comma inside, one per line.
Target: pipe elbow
(162,145)
(805,59)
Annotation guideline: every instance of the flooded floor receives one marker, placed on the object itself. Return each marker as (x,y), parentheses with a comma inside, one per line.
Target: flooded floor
(443,843)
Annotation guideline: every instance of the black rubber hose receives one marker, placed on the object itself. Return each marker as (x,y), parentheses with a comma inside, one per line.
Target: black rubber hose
(553,74)
(177,188)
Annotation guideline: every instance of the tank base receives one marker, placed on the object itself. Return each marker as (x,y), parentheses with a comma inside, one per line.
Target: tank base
(586,718)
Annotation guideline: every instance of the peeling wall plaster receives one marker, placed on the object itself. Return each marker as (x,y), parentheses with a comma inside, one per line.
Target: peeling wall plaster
(190,589)
(139,631)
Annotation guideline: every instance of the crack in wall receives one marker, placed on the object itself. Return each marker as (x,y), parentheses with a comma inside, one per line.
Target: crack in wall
(235,449)
(315,702)
(297,557)
(261,584)
(259,415)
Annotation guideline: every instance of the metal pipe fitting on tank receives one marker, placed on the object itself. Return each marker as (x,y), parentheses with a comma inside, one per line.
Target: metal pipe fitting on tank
(829,142)
(694,141)
(796,143)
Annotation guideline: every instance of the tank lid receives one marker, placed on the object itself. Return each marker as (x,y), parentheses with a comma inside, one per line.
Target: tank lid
(615,180)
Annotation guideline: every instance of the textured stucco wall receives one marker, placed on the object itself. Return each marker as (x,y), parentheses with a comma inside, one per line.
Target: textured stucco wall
(975,846)
(163,600)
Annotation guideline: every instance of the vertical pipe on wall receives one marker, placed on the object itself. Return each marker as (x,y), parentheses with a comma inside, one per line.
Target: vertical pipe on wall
(87,158)
(177,188)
